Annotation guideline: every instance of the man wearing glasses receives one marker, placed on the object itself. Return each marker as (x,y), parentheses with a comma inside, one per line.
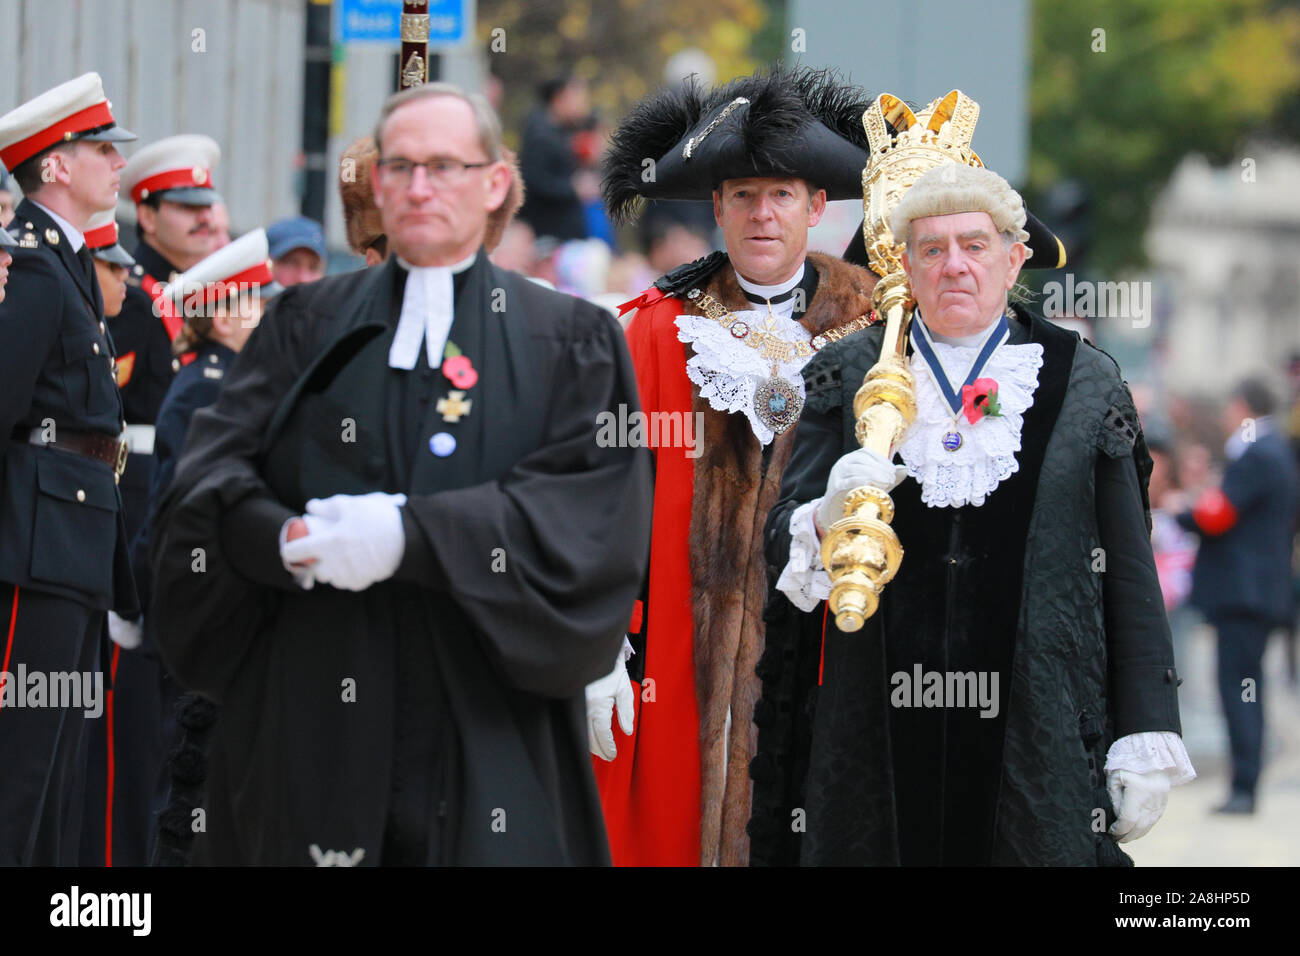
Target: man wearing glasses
(415,552)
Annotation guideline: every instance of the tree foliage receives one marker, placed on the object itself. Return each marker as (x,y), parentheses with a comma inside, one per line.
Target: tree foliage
(1122,90)
(619,46)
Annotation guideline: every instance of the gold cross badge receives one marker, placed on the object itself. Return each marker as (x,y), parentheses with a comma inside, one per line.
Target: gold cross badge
(454,406)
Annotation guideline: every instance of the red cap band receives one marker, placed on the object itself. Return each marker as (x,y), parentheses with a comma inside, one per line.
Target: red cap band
(189,176)
(102,237)
(92,117)
(259,275)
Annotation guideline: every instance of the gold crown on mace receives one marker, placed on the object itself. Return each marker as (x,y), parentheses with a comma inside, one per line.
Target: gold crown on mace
(940,133)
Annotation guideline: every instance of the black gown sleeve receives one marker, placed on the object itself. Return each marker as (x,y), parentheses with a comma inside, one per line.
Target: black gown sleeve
(547,162)
(572,522)
(169,436)
(1143,682)
(215,529)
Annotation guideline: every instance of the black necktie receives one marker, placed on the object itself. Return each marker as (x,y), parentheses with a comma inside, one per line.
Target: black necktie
(88,263)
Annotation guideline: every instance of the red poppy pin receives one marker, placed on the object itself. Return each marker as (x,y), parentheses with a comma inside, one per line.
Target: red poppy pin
(460,371)
(981,400)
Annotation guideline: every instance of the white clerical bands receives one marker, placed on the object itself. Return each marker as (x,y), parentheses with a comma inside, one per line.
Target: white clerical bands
(427,312)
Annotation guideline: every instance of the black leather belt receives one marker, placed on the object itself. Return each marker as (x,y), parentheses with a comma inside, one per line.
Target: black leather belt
(110,449)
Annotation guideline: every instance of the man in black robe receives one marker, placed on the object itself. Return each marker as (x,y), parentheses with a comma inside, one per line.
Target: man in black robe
(1013,700)
(394,551)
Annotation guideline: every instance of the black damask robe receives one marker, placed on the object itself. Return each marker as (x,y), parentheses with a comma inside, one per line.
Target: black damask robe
(1011,587)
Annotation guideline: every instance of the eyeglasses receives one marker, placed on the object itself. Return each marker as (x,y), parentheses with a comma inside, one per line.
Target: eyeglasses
(441,172)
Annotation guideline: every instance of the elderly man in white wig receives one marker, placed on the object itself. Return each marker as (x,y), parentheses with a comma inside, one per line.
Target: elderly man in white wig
(1013,700)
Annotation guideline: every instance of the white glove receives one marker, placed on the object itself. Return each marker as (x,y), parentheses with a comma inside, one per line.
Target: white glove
(360,543)
(612,692)
(857,468)
(124,633)
(1138,799)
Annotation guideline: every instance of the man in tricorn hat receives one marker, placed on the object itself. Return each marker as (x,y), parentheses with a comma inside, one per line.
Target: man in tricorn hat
(718,345)
(1013,700)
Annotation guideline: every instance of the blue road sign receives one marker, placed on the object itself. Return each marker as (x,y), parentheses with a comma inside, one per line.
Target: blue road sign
(451,22)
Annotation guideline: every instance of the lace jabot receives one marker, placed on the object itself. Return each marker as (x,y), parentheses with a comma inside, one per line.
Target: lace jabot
(729,372)
(987,454)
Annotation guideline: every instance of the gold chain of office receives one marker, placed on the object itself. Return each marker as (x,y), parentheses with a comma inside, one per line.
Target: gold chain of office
(773,347)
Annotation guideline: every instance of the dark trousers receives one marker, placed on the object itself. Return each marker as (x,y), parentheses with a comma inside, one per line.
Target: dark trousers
(1242,639)
(43,742)
(124,763)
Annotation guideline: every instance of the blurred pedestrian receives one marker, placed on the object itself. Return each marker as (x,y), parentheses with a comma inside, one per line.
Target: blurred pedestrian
(674,245)
(1174,547)
(1242,578)
(517,250)
(297,250)
(549,163)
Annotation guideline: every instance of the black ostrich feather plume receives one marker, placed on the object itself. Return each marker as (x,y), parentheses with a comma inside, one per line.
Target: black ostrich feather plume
(785,106)
(655,125)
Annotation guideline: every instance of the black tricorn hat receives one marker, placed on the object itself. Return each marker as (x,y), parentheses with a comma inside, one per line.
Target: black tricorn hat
(795,122)
(1048,252)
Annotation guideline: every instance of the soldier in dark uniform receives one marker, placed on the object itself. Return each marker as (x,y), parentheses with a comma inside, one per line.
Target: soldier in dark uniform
(170,182)
(63,545)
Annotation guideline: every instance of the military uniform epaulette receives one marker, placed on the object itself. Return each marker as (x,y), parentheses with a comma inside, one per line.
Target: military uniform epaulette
(214,370)
(691,274)
(135,276)
(31,239)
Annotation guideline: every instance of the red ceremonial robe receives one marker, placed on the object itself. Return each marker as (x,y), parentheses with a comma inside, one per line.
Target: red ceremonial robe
(650,793)
(665,802)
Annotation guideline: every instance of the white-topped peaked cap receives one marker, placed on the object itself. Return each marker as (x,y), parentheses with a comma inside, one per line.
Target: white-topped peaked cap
(101,239)
(77,109)
(241,266)
(178,168)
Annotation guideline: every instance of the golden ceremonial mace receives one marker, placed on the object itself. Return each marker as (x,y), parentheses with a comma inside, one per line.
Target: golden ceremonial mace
(414,61)
(861,552)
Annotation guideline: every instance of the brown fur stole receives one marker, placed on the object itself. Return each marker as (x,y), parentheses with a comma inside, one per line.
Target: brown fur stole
(732,497)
